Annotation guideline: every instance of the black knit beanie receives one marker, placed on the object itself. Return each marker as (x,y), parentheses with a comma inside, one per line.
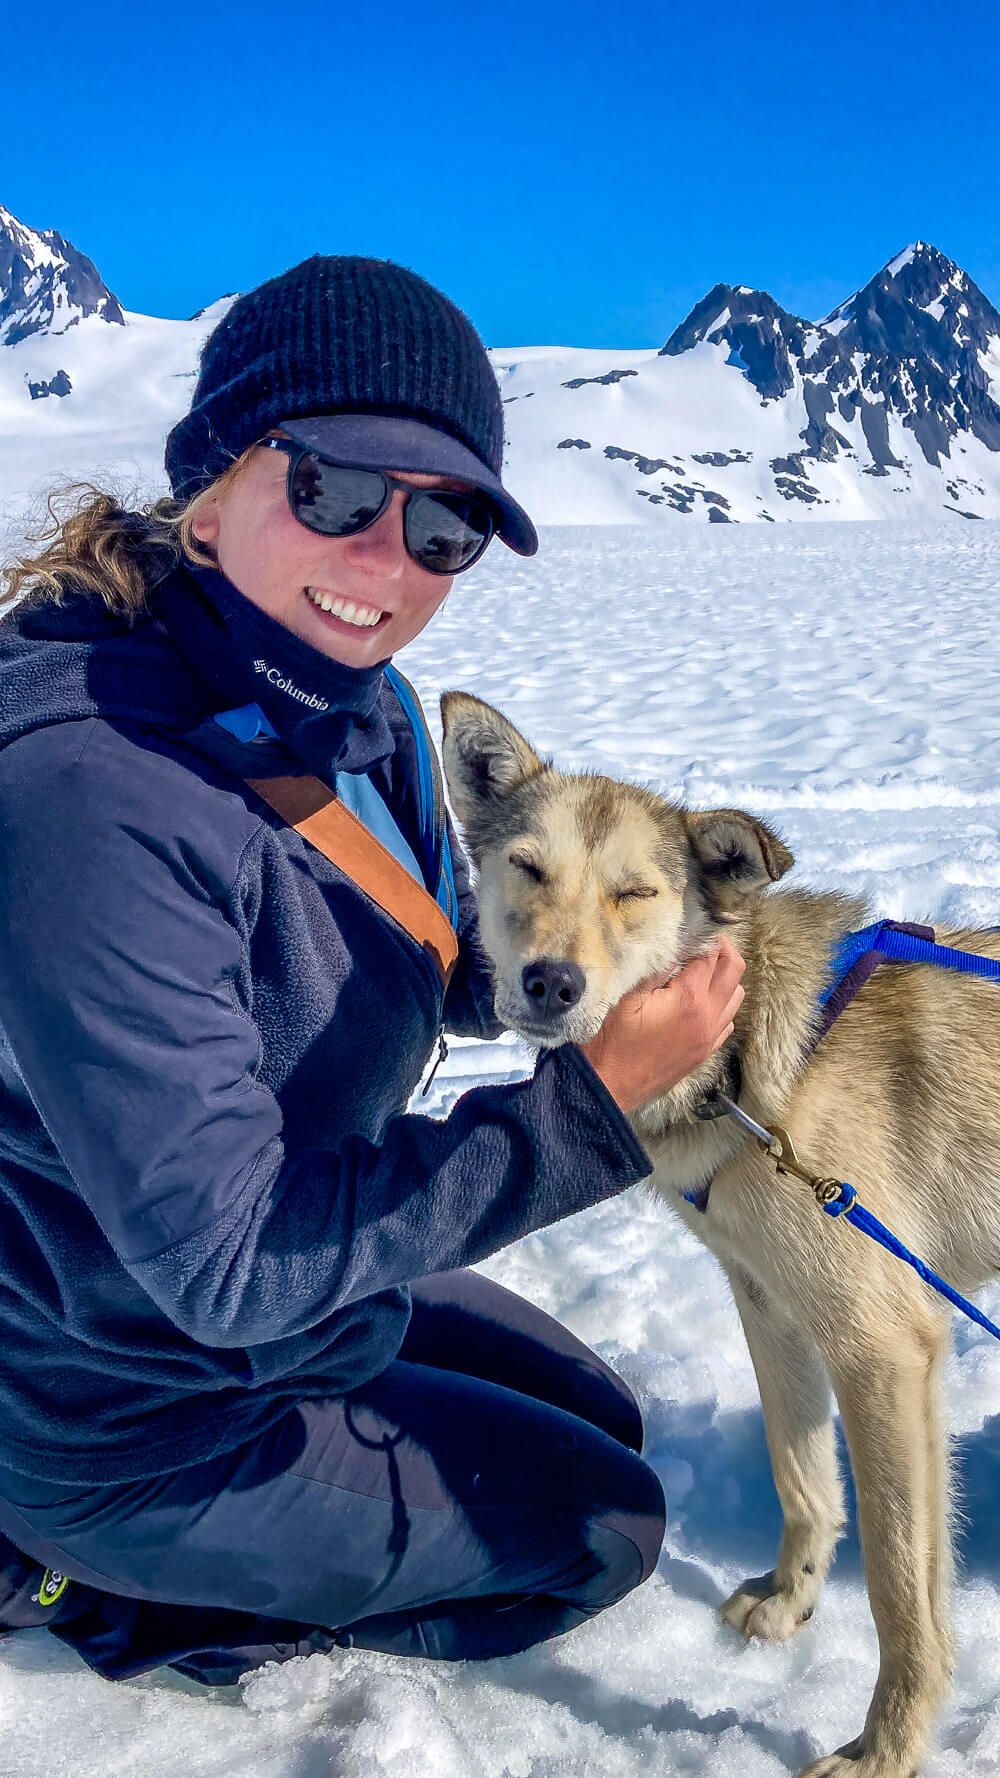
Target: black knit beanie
(343,335)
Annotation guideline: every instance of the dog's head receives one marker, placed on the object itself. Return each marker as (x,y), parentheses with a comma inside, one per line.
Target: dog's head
(586,885)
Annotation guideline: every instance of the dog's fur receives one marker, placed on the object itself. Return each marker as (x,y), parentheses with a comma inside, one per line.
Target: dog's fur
(900,1098)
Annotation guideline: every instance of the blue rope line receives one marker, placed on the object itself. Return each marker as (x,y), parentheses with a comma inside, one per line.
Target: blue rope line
(847,1206)
(883,938)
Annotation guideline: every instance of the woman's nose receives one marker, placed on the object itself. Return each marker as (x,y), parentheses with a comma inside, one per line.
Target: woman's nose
(380,548)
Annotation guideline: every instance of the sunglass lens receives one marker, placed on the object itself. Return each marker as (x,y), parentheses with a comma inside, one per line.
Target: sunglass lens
(446,532)
(333,500)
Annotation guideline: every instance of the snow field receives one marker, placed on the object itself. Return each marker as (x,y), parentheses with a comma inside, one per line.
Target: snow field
(841,681)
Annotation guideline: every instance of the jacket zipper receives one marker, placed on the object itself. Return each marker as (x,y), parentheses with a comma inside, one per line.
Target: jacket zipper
(439,1058)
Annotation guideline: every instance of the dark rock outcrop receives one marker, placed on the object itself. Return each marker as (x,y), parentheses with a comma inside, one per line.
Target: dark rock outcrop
(610,376)
(57,385)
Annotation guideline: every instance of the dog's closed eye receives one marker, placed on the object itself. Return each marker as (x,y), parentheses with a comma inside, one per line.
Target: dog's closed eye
(528,865)
(634,892)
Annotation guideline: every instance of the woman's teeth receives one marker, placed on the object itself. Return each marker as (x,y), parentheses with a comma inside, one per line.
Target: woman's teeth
(362,615)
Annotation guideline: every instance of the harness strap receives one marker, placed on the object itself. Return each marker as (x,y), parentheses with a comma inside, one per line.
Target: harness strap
(859,954)
(897,944)
(438,864)
(308,805)
(855,960)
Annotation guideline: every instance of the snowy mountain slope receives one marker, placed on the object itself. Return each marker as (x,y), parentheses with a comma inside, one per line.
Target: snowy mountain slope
(882,770)
(889,408)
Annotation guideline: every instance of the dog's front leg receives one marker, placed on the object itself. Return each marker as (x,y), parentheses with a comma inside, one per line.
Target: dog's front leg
(796,1397)
(890,1406)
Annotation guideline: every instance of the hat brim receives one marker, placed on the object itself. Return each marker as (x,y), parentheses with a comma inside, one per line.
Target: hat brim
(389,441)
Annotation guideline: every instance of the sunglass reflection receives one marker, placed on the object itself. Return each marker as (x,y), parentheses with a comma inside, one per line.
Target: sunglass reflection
(444,532)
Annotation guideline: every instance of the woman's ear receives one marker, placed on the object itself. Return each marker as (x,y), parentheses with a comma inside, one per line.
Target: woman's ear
(205,524)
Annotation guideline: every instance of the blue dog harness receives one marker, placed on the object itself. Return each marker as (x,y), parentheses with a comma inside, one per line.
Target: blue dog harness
(856,958)
(889,941)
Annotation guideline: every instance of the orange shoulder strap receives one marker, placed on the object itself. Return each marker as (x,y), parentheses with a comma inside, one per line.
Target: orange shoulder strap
(309,805)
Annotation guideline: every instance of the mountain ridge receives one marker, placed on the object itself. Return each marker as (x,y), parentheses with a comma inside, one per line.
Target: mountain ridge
(889,405)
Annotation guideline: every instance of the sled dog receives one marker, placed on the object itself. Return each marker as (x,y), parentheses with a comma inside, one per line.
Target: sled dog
(594,885)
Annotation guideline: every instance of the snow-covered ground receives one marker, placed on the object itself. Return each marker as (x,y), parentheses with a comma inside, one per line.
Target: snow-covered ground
(843,680)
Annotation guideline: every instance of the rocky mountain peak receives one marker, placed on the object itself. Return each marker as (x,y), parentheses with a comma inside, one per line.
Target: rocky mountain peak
(911,342)
(921,304)
(46,284)
(763,338)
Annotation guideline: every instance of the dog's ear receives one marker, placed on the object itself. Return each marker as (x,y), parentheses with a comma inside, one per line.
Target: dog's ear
(484,755)
(738,855)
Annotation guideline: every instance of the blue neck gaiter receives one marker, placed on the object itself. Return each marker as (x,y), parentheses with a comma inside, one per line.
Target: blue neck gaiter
(327,714)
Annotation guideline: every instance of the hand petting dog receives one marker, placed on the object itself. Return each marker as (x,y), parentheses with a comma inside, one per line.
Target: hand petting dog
(661,1031)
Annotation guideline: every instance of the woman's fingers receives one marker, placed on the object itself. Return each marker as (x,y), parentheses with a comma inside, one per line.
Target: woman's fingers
(728,969)
(734,1002)
(668,1026)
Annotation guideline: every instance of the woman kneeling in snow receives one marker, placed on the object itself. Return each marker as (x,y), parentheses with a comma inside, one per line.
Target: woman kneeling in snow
(249,1399)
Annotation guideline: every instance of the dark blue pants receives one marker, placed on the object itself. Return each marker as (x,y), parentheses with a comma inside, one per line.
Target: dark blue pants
(482,1494)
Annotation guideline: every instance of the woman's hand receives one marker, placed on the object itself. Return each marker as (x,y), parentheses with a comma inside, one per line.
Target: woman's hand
(666,1027)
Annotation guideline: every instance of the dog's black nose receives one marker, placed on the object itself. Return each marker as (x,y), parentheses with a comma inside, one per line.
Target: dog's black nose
(551,987)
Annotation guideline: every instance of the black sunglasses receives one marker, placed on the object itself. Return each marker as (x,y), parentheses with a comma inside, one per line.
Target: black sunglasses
(444,532)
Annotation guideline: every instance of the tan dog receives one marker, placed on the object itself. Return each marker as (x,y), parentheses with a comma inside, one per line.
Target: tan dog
(587,886)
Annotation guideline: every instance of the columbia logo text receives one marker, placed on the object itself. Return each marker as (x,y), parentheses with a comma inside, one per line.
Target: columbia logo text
(274,676)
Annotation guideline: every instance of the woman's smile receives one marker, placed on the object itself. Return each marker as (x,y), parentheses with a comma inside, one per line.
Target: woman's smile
(346,614)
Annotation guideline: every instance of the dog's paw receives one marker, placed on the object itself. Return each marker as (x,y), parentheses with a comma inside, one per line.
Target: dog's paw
(857,1761)
(846,1763)
(760,1608)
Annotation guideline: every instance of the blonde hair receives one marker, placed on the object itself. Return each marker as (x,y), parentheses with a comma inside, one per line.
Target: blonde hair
(107,549)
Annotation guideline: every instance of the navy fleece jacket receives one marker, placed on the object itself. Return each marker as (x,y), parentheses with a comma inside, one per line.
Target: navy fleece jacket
(211,1194)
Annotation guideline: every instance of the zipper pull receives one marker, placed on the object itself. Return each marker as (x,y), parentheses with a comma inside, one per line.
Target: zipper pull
(439,1058)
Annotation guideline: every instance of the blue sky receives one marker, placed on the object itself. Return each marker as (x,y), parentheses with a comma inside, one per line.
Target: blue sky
(566,177)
